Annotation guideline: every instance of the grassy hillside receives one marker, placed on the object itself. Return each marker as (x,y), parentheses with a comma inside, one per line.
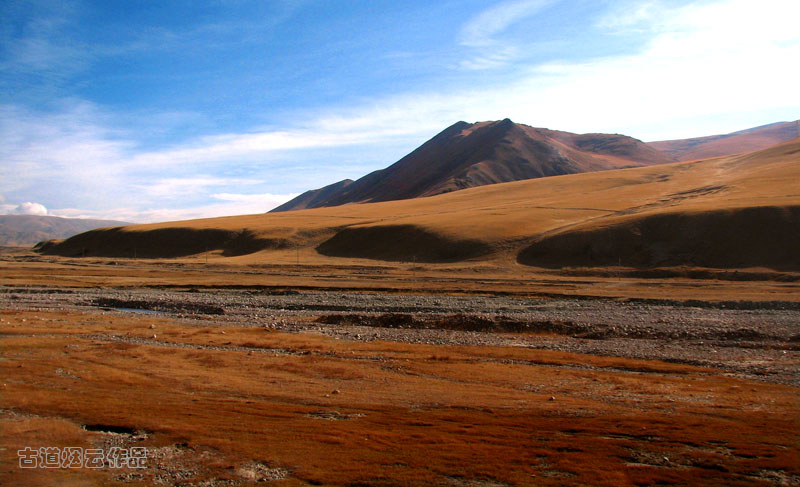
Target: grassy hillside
(736,211)
(743,141)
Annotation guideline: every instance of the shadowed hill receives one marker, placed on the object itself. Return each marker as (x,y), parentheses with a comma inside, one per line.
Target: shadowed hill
(30,229)
(468,155)
(731,212)
(741,237)
(407,243)
(749,140)
(163,243)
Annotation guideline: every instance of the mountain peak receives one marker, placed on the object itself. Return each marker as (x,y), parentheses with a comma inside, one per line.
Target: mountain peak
(466,155)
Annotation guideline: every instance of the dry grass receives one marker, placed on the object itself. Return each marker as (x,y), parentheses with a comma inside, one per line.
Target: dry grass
(403,414)
(737,143)
(25,269)
(491,224)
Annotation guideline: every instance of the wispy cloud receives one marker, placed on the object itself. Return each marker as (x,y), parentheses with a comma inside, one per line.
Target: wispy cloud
(77,156)
(630,16)
(496,57)
(726,62)
(69,151)
(227,204)
(481,33)
(181,187)
(482,29)
(34,45)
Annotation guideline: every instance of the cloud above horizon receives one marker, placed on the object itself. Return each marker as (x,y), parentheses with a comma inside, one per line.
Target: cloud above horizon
(27,208)
(668,70)
(480,33)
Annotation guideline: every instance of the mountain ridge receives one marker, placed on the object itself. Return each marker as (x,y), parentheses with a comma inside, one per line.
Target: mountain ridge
(30,229)
(741,141)
(467,155)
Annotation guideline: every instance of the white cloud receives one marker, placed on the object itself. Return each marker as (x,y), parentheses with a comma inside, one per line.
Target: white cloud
(481,30)
(631,16)
(496,57)
(76,157)
(42,45)
(267,200)
(29,208)
(73,148)
(704,70)
(481,34)
(332,131)
(230,204)
(181,187)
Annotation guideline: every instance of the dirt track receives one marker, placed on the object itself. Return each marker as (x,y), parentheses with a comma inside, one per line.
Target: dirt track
(752,340)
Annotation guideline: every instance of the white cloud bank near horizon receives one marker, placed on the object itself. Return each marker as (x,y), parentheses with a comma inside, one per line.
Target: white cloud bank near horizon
(225,205)
(706,68)
(26,208)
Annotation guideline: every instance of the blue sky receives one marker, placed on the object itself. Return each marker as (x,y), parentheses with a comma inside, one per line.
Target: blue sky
(153,111)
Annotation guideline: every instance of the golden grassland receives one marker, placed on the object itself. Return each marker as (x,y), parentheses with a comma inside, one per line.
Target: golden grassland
(743,211)
(333,412)
(24,268)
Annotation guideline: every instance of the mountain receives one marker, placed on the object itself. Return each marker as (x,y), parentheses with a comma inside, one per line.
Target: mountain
(30,229)
(315,197)
(734,212)
(734,143)
(468,155)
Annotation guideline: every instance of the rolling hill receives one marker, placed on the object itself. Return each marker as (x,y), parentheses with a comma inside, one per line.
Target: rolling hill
(468,155)
(30,229)
(734,143)
(731,212)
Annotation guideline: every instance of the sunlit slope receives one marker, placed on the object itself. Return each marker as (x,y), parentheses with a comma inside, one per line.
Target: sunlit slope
(469,155)
(757,196)
(753,139)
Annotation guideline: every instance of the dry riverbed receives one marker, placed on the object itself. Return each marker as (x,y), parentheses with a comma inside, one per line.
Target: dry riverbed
(757,340)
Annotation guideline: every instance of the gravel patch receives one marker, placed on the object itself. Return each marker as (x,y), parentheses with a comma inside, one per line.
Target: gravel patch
(757,340)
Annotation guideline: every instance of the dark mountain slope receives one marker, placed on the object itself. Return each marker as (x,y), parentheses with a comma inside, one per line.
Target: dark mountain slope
(315,197)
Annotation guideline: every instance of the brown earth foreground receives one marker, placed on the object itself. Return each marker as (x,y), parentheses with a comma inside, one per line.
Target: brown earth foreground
(399,374)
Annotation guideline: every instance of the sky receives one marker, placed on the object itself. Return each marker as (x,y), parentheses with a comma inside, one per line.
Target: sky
(157,111)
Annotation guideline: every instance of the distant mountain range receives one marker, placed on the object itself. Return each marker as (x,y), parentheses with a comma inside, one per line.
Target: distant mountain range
(30,229)
(468,155)
(734,143)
